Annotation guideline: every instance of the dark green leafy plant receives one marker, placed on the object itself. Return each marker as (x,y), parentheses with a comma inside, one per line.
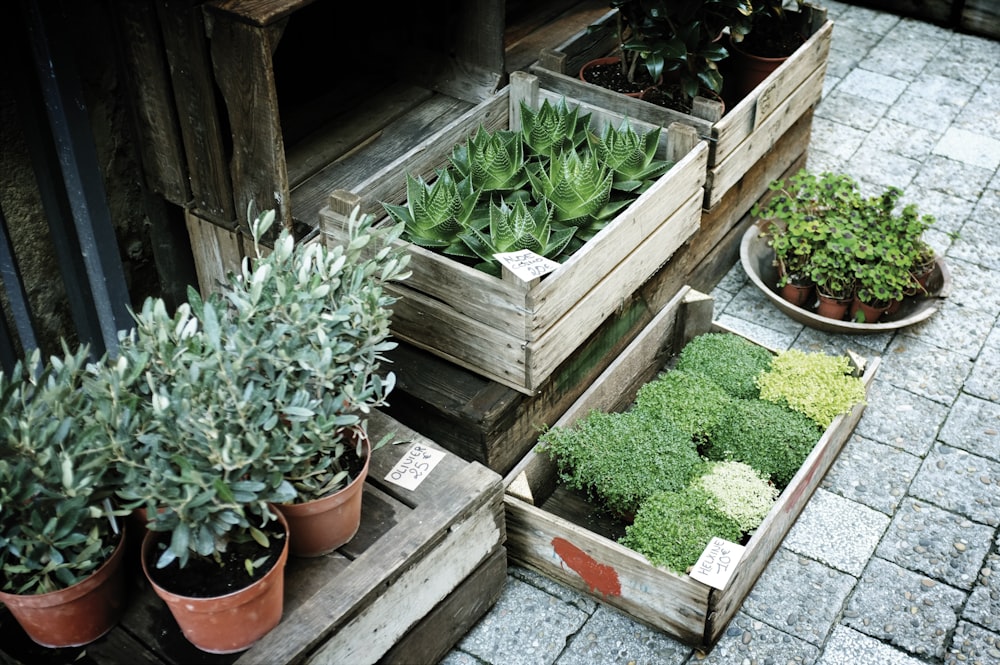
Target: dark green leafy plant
(621,459)
(731,361)
(818,385)
(671,529)
(770,437)
(692,402)
(59,422)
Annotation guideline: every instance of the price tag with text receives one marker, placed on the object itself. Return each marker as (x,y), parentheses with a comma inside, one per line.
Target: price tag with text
(526,264)
(717,563)
(415,465)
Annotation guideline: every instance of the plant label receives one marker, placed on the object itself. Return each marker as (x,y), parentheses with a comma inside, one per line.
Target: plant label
(717,563)
(526,265)
(415,466)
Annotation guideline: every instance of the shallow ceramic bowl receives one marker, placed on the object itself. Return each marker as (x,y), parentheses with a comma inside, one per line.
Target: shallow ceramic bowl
(758,262)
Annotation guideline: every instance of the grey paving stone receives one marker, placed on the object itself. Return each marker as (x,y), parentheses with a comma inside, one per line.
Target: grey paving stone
(959,329)
(837,531)
(988,206)
(972,147)
(526,626)
(899,418)
(966,58)
(983,607)
(866,346)
(910,30)
(872,85)
(550,586)
(979,115)
(871,473)
(612,637)
(892,136)
(953,177)
(925,369)
(851,110)
(819,161)
(901,56)
(971,645)
(751,304)
(748,640)
(960,482)
(904,608)
(884,169)
(835,138)
(763,335)
(799,596)
(974,425)
(982,380)
(734,280)
(943,545)
(949,212)
(977,243)
(456,657)
(973,287)
(849,647)
(863,19)
(931,101)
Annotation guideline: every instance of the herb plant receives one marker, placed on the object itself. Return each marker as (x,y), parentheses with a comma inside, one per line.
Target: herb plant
(691,401)
(818,385)
(739,492)
(731,361)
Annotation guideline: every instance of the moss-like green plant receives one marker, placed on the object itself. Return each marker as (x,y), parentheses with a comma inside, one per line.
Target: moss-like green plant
(818,385)
(729,360)
(769,437)
(739,492)
(671,529)
(620,459)
(693,402)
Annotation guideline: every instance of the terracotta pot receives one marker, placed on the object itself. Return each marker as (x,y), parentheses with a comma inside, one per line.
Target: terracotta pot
(746,71)
(800,295)
(229,623)
(322,525)
(832,308)
(76,615)
(606,61)
(872,313)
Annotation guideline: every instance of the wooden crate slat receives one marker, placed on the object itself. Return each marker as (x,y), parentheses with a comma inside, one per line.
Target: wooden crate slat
(217,251)
(726,174)
(981,17)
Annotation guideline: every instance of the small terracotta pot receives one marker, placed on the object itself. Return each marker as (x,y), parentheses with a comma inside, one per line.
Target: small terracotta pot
(320,526)
(872,313)
(76,615)
(605,61)
(832,308)
(747,71)
(229,623)
(800,295)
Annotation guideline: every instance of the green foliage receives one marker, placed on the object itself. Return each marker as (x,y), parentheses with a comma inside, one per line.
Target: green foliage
(552,185)
(731,361)
(769,437)
(739,492)
(818,385)
(672,529)
(251,396)
(59,420)
(621,459)
(692,402)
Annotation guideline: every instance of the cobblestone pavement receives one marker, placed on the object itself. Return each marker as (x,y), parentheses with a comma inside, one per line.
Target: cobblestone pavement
(896,558)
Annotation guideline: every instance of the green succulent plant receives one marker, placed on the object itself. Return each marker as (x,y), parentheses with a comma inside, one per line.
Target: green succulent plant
(630,156)
(553,129)
(492,161)
(517,227)
(436,213)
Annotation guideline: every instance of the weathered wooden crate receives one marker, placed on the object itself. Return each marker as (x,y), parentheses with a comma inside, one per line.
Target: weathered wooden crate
(747,130)
(425,565)
(515,332)
(555,532)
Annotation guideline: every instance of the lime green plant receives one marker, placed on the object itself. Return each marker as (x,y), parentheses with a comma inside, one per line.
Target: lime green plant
(817,385)
(731,361)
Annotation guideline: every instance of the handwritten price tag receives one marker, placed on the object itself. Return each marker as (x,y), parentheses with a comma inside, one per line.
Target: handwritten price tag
(415,465)
(717,563)
(526,264)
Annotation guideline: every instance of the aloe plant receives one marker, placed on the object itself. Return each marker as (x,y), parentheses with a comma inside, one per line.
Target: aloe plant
(578,185)
(516,227)
(436,213)
(492,161)
(630,156)
(554,128)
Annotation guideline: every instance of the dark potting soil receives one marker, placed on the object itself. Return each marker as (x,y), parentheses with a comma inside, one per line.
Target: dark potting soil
(206,578)
(612,77)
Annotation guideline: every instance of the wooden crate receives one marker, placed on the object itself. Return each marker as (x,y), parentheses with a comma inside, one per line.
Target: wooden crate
(554,531)
(425,565)
(513,332)
(747,130)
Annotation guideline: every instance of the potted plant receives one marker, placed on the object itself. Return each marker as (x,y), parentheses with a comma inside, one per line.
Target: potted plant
(762,43)
(61,542)
(254,400)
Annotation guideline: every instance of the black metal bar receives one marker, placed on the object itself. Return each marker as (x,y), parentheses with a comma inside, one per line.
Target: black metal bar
(17,298)
(81,174)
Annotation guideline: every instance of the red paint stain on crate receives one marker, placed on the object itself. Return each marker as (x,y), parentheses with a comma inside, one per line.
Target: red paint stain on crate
(599,577)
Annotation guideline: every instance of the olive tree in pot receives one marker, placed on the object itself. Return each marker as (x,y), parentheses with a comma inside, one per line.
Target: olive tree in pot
(255,398)
(61,543)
